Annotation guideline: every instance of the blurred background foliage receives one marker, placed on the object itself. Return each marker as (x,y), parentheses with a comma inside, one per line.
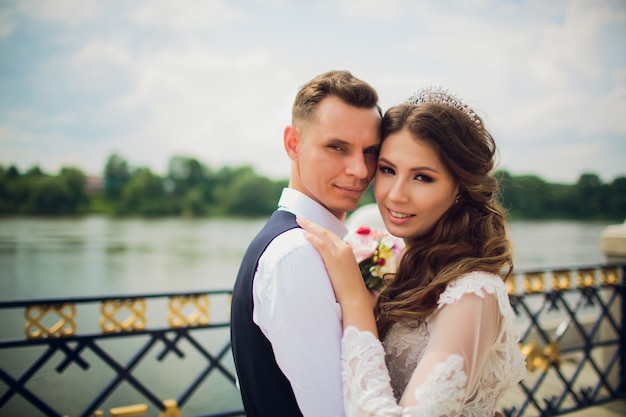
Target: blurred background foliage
(192,189)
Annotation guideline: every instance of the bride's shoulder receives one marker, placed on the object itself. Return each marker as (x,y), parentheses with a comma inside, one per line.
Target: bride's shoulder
(476,282)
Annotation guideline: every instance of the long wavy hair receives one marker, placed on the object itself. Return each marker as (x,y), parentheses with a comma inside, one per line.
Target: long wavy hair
(470,236)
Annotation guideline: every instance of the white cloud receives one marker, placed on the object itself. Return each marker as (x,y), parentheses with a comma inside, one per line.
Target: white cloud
(93,59)
(7,22)
(604,113)
(10,136)
(373,8)
(192,14)
(222,108)
(71,12)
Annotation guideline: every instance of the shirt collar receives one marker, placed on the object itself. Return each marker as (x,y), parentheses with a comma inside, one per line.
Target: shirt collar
(300,204)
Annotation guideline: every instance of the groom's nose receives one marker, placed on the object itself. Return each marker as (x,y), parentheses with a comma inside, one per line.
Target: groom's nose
(357,166)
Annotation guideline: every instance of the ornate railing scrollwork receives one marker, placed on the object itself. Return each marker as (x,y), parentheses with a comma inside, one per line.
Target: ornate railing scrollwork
(111,309)
(586,278)
(536,358)
(533,282)
(198,316)
(609,276)
(36,315)
(561,280)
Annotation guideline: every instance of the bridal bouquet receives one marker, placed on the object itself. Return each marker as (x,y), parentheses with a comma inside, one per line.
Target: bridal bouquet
(377,253)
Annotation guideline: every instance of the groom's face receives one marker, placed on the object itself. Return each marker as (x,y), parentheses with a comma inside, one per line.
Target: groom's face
(335,154)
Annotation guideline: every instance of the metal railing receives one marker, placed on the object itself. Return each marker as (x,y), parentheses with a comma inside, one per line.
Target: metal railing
(572,334)
(169,353)
(119,350)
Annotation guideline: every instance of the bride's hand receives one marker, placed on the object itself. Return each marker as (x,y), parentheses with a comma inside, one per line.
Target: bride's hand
(340,263)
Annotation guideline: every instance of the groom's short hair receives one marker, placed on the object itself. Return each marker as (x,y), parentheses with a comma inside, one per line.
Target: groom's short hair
(340,84)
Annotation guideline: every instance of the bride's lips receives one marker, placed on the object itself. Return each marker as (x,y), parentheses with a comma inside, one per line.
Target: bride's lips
(397,217)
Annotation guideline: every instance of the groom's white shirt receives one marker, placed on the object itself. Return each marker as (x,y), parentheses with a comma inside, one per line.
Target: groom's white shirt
(295,308)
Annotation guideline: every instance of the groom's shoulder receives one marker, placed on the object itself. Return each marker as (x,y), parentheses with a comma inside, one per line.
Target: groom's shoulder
(290,244)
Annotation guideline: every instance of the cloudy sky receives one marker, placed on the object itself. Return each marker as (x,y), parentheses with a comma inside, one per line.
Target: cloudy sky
(215,79)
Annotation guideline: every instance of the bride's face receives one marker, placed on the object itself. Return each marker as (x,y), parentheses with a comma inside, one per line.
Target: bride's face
(413,187)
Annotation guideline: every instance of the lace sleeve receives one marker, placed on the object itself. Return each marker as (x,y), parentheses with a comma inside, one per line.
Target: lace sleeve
(461,335)
(366,385)
(367,388)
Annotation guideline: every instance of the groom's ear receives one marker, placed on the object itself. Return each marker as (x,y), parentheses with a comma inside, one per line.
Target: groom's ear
(290,141)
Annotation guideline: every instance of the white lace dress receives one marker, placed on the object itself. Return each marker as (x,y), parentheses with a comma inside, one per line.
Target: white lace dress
(458,364)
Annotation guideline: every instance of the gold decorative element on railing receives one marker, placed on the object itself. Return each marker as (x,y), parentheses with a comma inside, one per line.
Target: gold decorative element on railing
(171,409)
(586,278)
(609,276)
(561,280)
(129,410)
(536,358)
(199,316)
(533,282)
(135,308)
(510,285)
(35,314)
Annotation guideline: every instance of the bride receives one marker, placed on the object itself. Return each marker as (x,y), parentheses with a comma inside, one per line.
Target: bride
(440,338)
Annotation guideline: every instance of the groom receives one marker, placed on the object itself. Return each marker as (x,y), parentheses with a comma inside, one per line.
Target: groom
(285,323)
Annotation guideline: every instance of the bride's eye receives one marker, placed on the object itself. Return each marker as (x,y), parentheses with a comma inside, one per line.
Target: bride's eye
(386,170)
(423,178)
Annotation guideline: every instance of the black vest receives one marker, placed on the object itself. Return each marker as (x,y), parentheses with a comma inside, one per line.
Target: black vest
(265,390)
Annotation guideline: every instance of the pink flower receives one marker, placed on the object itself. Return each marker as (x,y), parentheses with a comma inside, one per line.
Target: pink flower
(377,253)
(363,230)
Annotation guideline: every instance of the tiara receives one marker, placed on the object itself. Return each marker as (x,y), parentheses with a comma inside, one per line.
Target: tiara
(440,95)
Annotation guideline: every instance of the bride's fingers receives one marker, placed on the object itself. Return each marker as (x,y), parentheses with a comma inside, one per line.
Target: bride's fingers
(314,234)
(329,245)
(310,226)
(317,232)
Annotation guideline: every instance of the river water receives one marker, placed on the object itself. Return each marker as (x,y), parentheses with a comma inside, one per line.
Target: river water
(48,258)
(99,255)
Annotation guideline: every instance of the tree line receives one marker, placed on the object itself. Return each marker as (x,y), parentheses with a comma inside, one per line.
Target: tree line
(192,189)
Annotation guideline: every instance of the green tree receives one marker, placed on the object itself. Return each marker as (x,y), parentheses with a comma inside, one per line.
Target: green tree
(34,173)
(5,194)
(13,173)
(185,173)
(252,195)
(520,195)
(20,187)
(187,180)
(590,199)
(220,192)
(49,196)
(144,194)
(116,175)
(616,199)
(76,182)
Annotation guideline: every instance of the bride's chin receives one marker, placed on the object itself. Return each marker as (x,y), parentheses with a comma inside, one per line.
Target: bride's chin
(394,230)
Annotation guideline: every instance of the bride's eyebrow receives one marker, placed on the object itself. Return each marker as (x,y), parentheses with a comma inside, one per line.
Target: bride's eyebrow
(413,169)
(424,168)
